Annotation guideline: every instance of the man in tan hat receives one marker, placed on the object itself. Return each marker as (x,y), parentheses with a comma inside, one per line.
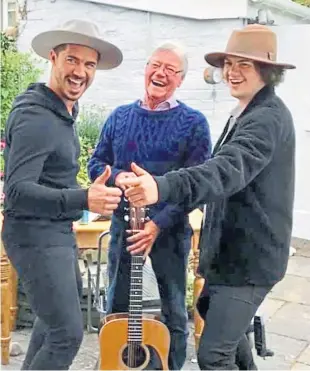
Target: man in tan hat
(248,189)
(42,196)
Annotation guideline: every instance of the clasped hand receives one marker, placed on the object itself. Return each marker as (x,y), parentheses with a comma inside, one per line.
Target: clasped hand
(138,187)
(140,190)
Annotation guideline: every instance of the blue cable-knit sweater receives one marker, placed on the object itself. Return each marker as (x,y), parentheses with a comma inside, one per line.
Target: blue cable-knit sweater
(158,141)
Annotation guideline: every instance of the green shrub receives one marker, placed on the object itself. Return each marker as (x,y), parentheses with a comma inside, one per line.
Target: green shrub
(18,70)
(89,124)
(303,2)
(190,290)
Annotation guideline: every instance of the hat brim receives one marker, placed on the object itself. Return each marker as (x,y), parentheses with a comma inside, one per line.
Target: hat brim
(216,59)
(110,55)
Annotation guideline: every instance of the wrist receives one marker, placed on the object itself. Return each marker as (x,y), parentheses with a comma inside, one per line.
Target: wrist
(154,226)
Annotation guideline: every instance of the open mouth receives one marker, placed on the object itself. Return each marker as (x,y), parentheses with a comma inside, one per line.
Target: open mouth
(235,82)
(75,84)
(158,83)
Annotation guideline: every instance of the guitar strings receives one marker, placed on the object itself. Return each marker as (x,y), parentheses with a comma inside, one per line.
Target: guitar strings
(133,347)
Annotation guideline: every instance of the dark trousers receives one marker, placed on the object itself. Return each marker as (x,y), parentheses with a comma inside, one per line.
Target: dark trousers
(223,343)
(169,258)
(52,281)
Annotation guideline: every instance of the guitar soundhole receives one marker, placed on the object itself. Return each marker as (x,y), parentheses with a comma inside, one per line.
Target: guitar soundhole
(134,355)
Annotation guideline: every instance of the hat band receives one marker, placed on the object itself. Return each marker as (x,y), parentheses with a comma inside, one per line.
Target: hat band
(262,55)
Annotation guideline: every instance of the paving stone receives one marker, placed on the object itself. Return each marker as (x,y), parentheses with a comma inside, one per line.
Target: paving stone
(14,364)
(88,354)
(300,366)
(292,289)
(292,320)
(304,251)
(305,356)
(299,266)
(302,246)
(285,351)
(269,307)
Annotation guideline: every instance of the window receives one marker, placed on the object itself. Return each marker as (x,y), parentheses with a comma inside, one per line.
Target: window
(12,13)
(9,13)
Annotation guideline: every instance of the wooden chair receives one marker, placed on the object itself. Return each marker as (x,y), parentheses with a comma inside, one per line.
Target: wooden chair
(8,302)
(5,308)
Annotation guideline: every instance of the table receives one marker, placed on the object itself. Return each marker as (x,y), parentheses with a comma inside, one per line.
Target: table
(87,238)
(87,234)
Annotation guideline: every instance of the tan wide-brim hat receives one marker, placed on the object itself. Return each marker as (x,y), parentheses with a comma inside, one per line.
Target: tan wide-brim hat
(83,33)
(255,42)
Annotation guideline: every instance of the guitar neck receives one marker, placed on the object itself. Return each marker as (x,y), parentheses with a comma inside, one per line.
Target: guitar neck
(137,218)
(135,299)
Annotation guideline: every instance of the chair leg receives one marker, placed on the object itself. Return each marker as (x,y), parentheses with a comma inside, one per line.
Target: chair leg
(5,311)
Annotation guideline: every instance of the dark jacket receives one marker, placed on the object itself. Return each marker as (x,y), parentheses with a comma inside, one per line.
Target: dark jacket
(248,186)
(41,159)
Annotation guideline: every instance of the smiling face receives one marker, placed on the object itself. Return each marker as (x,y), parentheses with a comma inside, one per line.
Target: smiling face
(163,74)
(242,78)
(73,71)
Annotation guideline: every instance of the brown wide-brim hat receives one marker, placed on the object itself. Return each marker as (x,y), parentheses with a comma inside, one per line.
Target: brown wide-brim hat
(255,42)
(83,33)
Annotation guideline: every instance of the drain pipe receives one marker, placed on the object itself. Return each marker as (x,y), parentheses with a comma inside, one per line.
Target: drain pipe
(286,6)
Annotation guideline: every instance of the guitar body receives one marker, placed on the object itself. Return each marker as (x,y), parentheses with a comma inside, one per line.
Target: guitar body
(113,342)
(125,339)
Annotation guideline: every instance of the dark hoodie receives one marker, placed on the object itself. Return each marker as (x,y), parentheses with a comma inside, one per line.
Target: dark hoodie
(41,159)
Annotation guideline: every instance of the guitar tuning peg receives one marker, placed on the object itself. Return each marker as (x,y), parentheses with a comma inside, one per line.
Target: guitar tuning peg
(147,219)
(126,218)
(125,199)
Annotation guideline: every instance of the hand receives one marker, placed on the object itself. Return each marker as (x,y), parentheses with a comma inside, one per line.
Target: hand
(102,199)
(143,240)
(121,176)
(141,191)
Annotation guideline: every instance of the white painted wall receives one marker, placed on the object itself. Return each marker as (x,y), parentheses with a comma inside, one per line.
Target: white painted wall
(196,9)
(295,92)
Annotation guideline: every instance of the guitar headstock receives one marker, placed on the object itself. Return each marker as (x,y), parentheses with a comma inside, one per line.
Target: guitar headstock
(137,217)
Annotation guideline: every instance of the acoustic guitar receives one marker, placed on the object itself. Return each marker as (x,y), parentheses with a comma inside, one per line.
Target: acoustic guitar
(125,339)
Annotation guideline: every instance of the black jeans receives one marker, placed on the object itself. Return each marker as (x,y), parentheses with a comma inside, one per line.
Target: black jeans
(228,317)
(53,285)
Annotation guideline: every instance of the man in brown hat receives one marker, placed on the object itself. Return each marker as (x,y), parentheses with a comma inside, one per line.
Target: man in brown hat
(248,189)
(42,197)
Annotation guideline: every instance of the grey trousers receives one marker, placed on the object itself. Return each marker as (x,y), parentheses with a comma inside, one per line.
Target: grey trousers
(228,317)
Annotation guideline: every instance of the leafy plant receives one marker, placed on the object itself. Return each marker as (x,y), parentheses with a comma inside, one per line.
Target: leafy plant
(18,70)
(190,290)
(89,124)
(7,43)
(303,2)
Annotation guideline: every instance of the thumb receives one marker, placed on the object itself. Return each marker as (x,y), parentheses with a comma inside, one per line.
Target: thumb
(104,176)
(137,169)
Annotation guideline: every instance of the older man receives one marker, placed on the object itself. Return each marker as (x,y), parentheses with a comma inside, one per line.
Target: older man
(162,134)
(42,197)
(248,186)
